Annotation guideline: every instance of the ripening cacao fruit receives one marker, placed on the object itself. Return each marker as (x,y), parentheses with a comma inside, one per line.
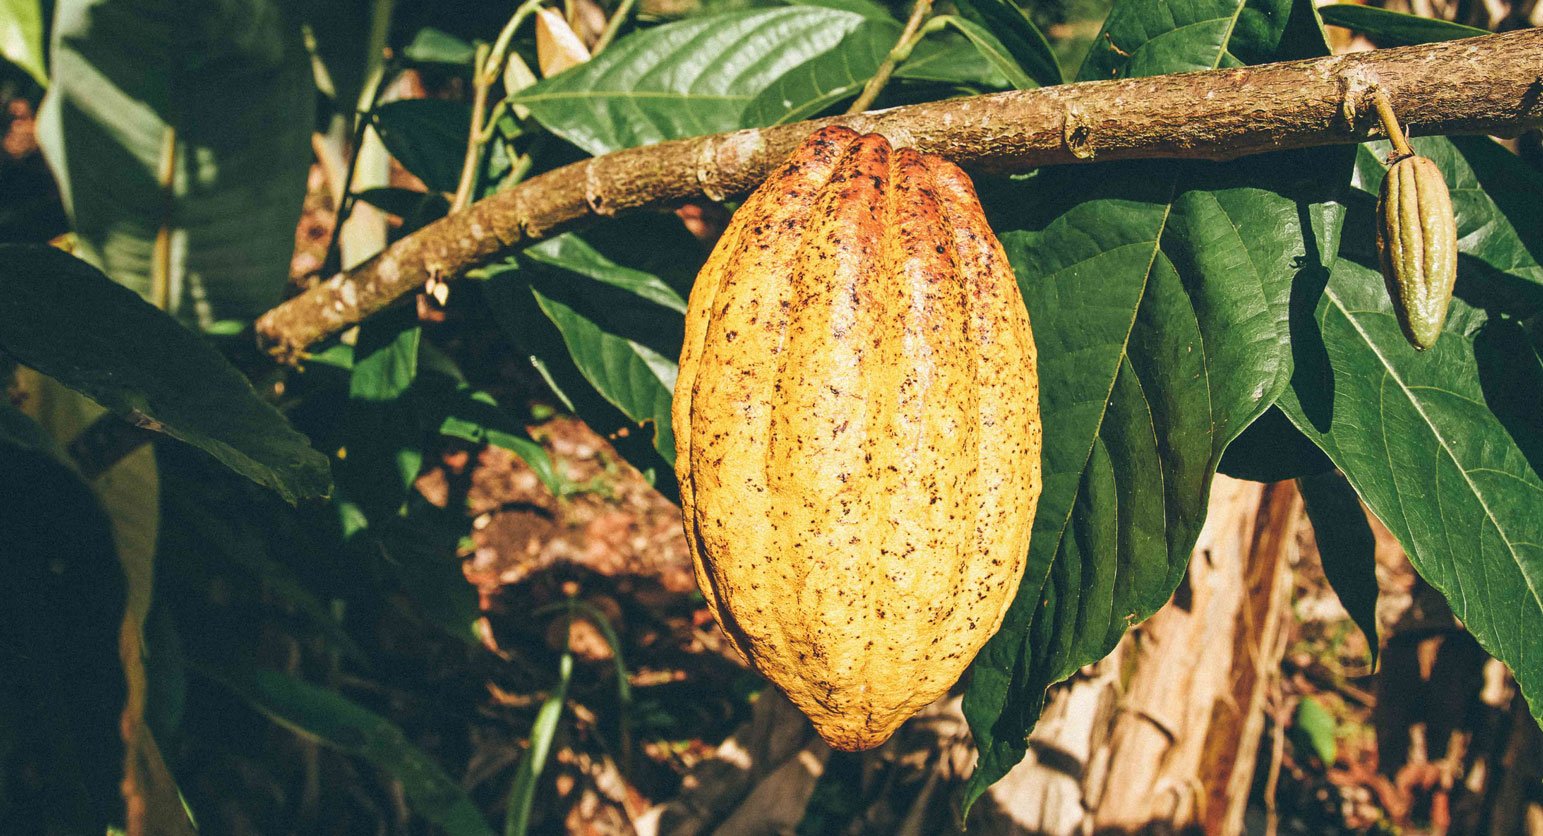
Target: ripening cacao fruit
(857,432)
(1417,241)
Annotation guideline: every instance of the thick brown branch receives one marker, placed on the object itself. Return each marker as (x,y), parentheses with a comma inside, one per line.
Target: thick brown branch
(1480,85)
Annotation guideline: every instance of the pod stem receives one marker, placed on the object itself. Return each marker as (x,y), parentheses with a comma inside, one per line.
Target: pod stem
(1390,125)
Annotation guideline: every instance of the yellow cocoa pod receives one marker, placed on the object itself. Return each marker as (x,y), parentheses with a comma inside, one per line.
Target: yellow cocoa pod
(857,432)
(1417,241)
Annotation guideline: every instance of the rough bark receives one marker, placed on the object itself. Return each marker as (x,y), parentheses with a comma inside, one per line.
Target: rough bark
(1480,85)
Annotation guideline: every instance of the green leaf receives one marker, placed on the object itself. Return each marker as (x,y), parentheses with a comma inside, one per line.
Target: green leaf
(994,51)
(433,46)
(333,720)
(1027,45)
(949,58)
(1445,446)
(1346,546)
(21,37)
(428,137)
(346,36)
(1390,28)
(870,9)
(635,378)
(65,319)
(575,254)
(1315,726)
(476,417)
(522,795)
(1160,298)
(381,435)
(825,80)
(406,204)
(125,88)
(682,79)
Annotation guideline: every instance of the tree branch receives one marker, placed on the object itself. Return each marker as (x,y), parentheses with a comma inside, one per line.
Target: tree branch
(1488,85)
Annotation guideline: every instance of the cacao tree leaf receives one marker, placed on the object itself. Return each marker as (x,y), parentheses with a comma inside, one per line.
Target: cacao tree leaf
(870,9)
(949,58)
(682,79)
(825,80)
(993,51)
(344,33)
(129,104)
(21,37)
(1445,446)
(65,319)
(1028,47)
(1160,297)
(1346,546)
(382,438)
(427,136)
(1390,28)
(335,721)
(602,319)
(635,378)
(434,46)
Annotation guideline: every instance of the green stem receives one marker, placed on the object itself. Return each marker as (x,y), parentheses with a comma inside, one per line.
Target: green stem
(467,186)
(1390,125)
(909,37)
(613,27)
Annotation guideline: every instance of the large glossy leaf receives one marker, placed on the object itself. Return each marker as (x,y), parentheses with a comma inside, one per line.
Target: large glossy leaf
(1346,547)
(65,319)
(682,79)
(826,79)
(427,136)
(603,320)
(1391,28)
(1006,20)
(1159,294)
(1446,446)
(334,720)
(21,37)
(131,102)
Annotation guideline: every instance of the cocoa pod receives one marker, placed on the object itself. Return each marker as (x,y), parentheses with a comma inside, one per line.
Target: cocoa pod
(1417,243)
(857,432)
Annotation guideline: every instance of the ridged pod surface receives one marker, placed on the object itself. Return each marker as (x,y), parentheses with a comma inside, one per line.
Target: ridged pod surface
(1417,241)
(857,432)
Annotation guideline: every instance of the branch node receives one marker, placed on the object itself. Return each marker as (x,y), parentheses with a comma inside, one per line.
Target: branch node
(594,189)
(1357,85)
(725,152)
(1075,133)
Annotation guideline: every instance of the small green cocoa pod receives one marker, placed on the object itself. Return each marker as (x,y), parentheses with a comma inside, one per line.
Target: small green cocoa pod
(1417,239)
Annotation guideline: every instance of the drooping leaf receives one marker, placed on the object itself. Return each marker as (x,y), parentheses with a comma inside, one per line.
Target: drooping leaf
(1346,546)
(61,603)
(130,103)
(1445,446)
(382,439)
(522,795)
(635,378)
(346,37)
(65,319)
(333,720)
(406,203)
(947,57)
(994,51)
(1390,28)
(427,136)
(682,79)
(1160,297)
(1027,45)
(21,37)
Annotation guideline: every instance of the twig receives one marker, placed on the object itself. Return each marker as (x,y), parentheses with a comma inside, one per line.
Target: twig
(898,53)
(482,80)
(614,26)
(1390,126)
(1486,86)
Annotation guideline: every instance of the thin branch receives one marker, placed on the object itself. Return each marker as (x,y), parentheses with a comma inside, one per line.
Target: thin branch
(898,53)
(613,27)
(1488,85)
(482,81)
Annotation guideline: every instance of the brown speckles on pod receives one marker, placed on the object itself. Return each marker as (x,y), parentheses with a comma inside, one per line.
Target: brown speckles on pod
(857,432)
